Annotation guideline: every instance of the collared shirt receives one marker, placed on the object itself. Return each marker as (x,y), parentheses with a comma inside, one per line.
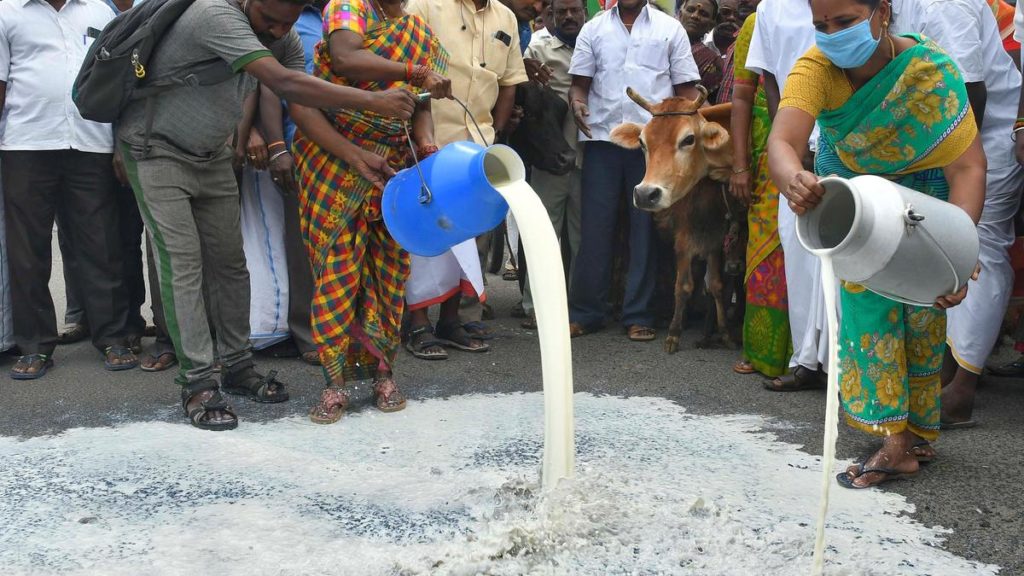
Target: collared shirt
(783,32)
(41,51)
(484,55)
(557,55)
(651,59)
(968,32)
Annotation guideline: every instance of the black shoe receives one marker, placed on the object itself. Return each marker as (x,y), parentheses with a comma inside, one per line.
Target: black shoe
(1013,369)
(75,333)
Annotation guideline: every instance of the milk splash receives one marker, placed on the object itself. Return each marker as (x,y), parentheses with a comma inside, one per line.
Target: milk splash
(657,491)
(828,458)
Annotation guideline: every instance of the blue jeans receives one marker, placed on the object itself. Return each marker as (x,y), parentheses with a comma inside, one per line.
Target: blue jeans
(609,174)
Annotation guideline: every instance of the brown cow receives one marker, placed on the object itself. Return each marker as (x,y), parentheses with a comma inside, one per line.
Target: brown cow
(689,158)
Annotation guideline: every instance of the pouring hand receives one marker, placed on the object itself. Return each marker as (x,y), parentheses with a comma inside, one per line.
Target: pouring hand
(950,300)
(371,166)
(804,192)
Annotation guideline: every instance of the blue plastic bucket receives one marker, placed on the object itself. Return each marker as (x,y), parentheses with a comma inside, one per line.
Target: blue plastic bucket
(459,201)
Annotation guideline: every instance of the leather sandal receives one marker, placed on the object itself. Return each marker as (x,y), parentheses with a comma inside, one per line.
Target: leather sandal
(638,333)
(388,402)
(331,407)
(201,416)
(246,381)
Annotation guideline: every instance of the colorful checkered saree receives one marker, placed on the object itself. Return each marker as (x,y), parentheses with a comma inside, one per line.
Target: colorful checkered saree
(359,270)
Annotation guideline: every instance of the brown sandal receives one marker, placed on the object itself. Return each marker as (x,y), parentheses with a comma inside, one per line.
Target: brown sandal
(743,367)
(392,401)
(158,363)
(332,406)
(576,330)
(638,333)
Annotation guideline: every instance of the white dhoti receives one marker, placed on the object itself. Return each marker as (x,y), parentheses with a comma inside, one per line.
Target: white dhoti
(6,322)
(807,320)
(433,280)
(972,328)
(262,220)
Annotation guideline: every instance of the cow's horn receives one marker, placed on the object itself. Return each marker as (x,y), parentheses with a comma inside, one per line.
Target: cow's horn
(700,98)
(638,99)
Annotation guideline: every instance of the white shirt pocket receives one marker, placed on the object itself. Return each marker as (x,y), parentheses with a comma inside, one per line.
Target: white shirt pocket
(650,53)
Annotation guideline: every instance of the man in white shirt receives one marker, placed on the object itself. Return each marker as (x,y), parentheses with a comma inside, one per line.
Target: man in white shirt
(967,30)
(56,162)
(629,45)
(782,34)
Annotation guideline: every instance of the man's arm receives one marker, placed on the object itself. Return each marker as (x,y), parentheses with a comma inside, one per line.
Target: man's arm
(686,90)
(771,93)
(272,125)
(977,95)
(503,107)
(300,88)
(579,94)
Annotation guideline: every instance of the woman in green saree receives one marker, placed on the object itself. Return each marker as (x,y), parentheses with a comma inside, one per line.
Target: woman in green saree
(893,106)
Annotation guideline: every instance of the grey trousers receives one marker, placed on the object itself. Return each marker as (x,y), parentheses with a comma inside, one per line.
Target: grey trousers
(190,206)
(561,197)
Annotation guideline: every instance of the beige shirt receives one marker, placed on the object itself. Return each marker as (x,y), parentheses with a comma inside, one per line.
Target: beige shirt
(480,63)
(557,55)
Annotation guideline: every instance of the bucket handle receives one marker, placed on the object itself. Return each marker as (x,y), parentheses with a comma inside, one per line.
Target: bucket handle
(912,219)
(426,196)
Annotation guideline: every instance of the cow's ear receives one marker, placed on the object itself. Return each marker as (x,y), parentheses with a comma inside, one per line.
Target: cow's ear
(714,137)
(627,135)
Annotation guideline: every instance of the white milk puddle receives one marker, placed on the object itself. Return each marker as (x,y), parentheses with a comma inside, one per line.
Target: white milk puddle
(445,487)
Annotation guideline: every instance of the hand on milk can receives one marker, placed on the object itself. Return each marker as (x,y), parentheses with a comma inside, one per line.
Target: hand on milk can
(950,300)
(803,192)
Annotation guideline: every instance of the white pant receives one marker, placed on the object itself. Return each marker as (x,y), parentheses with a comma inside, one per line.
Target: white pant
(807,320)
(972,328)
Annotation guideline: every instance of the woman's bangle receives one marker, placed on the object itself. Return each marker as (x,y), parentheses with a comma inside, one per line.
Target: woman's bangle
(278,155)
(741,170)
(1013,135)
(419,76)
(275,144)
(408,71)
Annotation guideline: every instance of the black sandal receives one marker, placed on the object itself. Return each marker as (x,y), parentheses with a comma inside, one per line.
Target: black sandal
(246,381)
(121,353)
(421,339)
(801,379)
(27,361)
(454,335)
(200,416)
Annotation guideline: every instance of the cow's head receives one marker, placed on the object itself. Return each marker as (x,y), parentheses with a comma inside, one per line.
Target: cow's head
(683,144)
(540,139)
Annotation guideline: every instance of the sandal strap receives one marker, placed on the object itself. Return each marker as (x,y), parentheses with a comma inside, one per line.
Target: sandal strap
(192,388)
(30,358)
(425,342)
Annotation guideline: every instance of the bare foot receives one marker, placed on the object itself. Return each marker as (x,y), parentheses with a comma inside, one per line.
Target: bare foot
(957,403)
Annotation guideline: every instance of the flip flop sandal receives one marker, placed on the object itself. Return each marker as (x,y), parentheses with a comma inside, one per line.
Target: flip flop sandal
(921,456)
(332,406)
(455,336)
(111,353)
(478,330)
(159,364)
(958,425)
(844,479)
(254,386)
(27,361)
(743,367)
(198,416)
(421,339)
(639,333)
(393,402)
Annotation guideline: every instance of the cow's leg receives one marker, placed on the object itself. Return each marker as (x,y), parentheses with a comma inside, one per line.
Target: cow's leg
(683,290)
(717,289)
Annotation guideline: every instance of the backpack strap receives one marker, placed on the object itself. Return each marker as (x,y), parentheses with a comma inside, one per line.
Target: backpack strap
(206,74)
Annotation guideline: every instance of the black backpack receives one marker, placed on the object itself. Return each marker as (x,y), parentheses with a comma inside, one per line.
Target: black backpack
(114,72)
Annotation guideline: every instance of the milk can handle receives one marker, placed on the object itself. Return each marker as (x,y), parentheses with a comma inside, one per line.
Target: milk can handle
(912,219)
(426,196)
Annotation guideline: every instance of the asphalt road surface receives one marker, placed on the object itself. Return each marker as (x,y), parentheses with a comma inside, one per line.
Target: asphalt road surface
(974,487)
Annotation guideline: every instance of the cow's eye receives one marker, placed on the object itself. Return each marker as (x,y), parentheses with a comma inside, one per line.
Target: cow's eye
(688,141)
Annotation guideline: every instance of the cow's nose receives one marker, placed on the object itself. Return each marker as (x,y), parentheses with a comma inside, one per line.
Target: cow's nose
(645,196)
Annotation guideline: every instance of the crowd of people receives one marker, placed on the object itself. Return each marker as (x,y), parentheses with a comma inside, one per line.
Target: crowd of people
(257,197)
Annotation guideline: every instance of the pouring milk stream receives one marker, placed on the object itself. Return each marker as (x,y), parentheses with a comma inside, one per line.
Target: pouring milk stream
(877,233)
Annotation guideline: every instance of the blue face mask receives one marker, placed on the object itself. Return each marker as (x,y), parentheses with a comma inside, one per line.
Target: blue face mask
(850,48)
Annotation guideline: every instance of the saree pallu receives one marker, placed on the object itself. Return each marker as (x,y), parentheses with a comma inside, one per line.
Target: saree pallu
(907,123)
(359,270)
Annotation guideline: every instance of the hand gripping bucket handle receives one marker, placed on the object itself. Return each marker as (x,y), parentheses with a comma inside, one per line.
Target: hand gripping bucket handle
(426,196)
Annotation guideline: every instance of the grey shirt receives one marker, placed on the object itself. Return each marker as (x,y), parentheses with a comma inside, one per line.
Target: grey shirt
(199,120)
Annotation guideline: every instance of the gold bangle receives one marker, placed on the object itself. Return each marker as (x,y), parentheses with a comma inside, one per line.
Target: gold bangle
(741,170)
